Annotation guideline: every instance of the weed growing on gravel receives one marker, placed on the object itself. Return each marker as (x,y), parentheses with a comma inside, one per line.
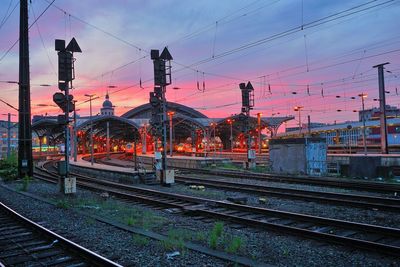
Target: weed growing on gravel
(90,221)
(228,166)
(62,204)
(173,241)
(25,183)
(140,240)
(285,252)
(235,245)
(130,221)
(216,234)
(200,236)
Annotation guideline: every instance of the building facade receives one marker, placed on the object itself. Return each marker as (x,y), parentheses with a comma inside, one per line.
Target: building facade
(5,137)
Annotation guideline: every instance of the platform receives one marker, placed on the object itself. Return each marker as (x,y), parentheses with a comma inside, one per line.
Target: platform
(114,173)
(183,161)
(370,165)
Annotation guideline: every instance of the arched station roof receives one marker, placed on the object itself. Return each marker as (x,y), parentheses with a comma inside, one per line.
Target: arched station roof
(119,127)
(49,127)
(144,111)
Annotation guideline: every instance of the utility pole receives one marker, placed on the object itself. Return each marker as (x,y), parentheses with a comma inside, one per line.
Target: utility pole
(382,108)
(170,115)
(25,159)
(259,132)
(298,108)
(91,128)
(363,96)
(230,122)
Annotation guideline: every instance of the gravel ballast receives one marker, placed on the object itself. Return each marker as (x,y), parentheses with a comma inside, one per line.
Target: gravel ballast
(263,246)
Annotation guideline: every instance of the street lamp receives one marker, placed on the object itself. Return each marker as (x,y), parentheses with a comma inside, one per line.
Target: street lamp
(230,122)
(363,96)
(170,115)
(298,108)
(259,131)
(91,128)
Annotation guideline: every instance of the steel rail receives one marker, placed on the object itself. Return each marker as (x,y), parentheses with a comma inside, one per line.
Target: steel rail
(23,241)
(323,181)
(376,238)
(355,200)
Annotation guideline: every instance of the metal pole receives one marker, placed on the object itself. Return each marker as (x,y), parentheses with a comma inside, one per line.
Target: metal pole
(25,159)
(309,124)
(91,133)
(231,137)
(9,136)
(108,140)
(299,120)
(382,108)
(164,139)
(75,137)
(248,140)
(144,143)
(259,132)
(205,143)
(215,142)
(363,119)
(170,134)
(135,153)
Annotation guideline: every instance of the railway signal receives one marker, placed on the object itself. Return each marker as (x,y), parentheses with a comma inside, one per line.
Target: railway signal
(162,78)
(247,105)
(66,74)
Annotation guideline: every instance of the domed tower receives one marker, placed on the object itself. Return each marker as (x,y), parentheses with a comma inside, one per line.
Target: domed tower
(108,108)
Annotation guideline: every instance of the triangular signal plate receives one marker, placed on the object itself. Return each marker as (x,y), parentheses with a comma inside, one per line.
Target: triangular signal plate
(165,54)
(73,46)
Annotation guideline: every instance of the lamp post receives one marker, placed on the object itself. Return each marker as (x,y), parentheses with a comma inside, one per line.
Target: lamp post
(259,132)
(298,108)
(363,96)
(144,142)
(170,115)
(91,128)
(230,122)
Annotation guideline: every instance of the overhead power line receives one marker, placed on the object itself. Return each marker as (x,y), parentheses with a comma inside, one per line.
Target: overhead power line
(30,26)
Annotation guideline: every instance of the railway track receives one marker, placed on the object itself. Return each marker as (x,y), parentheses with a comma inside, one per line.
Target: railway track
(346,199)
(376,238)
(359,185)
(344,183)
(25,243)
(355,200)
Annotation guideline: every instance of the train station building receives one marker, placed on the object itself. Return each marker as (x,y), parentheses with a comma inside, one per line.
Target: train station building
(190,130)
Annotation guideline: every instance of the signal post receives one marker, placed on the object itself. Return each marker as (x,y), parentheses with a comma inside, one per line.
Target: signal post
(159,120)
(66,74)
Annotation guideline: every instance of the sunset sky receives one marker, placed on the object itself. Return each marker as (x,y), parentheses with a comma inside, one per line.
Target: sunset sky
(312,53)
